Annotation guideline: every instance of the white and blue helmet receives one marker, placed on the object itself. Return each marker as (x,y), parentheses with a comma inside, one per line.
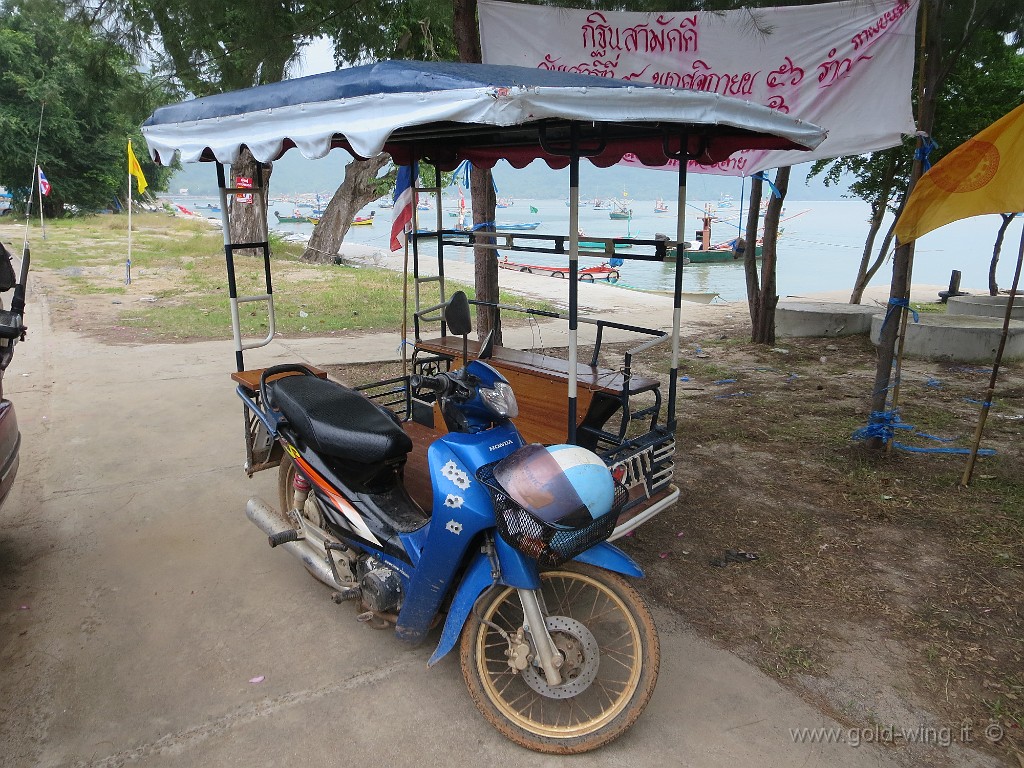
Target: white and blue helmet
(563,485)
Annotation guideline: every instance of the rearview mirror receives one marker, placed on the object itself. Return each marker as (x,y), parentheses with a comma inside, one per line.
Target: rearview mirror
(457,314)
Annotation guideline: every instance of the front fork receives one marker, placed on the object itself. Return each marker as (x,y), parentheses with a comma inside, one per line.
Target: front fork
(549,656)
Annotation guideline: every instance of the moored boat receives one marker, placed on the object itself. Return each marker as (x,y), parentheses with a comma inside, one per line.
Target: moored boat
(520,225)
(362,221)
(620,210)
(585,274)
(295,218)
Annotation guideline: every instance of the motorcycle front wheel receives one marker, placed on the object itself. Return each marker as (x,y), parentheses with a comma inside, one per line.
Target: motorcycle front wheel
(609,644)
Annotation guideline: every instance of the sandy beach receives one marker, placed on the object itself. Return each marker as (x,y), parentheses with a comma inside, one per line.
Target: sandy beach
(612,302)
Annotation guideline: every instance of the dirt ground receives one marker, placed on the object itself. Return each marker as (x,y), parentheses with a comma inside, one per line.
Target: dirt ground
(872,583)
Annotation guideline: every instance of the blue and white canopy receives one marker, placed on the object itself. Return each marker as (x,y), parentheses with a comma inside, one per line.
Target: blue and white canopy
(445,112)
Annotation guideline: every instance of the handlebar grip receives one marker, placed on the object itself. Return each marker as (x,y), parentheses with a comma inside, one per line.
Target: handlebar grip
(436,384)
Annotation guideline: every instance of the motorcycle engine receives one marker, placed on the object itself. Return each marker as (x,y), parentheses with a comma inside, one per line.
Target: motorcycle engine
(381,586)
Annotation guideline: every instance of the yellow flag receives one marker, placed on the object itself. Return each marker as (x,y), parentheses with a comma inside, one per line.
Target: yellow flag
(982,175)
(135,169)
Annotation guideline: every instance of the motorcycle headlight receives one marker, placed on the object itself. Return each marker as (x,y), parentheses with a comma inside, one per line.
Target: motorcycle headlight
(501,400)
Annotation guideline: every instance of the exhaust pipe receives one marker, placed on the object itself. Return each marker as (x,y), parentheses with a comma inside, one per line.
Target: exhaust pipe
(274,524)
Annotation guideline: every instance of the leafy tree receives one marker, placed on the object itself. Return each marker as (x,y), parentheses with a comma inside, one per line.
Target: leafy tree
(92,101)
(985,83)
(952,30)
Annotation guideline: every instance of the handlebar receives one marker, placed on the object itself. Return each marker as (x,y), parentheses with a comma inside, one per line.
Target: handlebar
(436,384)
(443,385)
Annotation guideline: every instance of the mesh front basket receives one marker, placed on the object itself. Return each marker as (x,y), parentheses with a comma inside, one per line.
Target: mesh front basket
(549,545)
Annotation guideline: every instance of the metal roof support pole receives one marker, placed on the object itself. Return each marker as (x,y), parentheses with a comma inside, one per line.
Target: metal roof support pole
(574,284)
(673,375)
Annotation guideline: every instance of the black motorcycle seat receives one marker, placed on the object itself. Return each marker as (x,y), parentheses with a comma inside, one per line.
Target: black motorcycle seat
(337,421)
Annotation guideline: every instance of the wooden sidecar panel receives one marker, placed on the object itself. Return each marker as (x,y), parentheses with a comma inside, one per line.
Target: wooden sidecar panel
(540,383)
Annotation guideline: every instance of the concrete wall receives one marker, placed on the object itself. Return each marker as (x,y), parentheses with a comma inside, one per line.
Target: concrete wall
(960,338)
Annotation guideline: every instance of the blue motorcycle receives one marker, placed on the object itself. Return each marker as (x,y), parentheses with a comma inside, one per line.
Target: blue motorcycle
(558,650)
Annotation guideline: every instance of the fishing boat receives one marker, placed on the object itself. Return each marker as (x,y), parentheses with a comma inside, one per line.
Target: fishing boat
(713,253)
(586,274)
(295,218)
(385,202)
(314,220)
(603,245)
(660,206)
(620,210)
(720,254)
(362,221)
(504,202)
(519,225)
(599,204)
(723,252)
(725,201)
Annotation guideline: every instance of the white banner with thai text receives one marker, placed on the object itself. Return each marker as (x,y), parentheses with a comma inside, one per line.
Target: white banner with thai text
(845,66)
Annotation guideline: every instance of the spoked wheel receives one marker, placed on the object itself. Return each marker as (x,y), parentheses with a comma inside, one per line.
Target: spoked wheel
(606,636)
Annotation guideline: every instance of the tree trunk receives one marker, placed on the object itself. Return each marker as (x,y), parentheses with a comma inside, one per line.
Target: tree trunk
(355,191)
(879,206)
(248,220)
(488,319)
(993,286)
(467,39)
(750,248)
(763,313)
(899,289)
(761,296)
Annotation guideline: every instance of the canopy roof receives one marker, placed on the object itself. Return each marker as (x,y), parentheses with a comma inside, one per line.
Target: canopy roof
(445,112)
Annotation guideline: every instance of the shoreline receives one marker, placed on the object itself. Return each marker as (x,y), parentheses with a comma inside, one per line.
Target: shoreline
(604,297)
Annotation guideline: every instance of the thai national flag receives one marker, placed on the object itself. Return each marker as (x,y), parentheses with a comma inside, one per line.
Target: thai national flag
(404,204)
(44,185)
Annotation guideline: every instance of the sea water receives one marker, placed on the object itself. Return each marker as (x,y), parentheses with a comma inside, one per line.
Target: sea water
(819,250)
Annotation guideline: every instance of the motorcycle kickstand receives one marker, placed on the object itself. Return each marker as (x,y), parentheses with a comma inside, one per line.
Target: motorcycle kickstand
(550,657)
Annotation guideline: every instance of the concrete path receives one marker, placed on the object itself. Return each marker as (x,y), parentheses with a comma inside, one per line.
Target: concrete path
(137,603)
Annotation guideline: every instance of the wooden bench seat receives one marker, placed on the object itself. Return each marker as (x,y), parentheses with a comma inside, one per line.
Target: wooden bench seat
(592,378)
(251,379)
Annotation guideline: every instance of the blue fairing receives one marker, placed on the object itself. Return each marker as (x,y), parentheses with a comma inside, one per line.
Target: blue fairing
(478,578)
(462,511)
(611,558)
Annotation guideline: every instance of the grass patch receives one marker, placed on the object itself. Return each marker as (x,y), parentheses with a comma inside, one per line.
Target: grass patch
(181,263)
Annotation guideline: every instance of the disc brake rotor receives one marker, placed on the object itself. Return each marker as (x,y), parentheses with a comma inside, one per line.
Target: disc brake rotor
(582,658)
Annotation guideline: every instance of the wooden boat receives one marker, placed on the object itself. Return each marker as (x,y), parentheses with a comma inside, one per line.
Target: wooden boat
(694,297)
(504,202)
(362,221)
(296,218)
(595,245)
(521,225)
(717,253)
(314,220)
(586,274)
(620,210)
(660,206)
